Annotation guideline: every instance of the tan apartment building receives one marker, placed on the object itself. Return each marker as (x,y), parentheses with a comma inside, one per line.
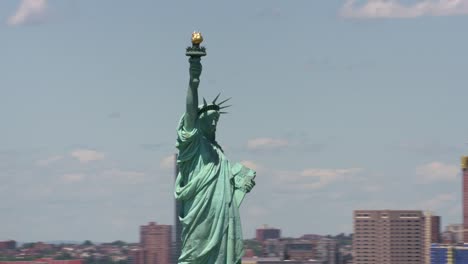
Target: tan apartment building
(388,237)
(156,243)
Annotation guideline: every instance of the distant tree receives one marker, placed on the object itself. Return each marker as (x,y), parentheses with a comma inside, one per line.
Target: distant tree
(342,239)
(47,252)
(87,243)
(105,260)
(89,260)
(255,245)
(13,258)
(341,236)
(119,243)
(7,258)
(28,245)
(64,256)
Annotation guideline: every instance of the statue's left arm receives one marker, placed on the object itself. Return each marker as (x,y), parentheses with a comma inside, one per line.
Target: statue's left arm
(243,177)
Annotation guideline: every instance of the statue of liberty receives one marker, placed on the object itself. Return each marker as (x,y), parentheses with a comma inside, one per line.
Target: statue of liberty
(208,186)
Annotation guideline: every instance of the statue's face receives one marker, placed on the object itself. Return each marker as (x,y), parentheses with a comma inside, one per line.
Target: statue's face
(208,122)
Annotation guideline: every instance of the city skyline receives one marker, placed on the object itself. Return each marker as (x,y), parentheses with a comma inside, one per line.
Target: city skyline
(369,117)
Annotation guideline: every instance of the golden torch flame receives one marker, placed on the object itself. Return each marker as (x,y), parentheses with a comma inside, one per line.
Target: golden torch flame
(197,38)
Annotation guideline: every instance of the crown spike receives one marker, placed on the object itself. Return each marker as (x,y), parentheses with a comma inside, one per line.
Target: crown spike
(225,101)
(222,113)
(213,106)
(216,98)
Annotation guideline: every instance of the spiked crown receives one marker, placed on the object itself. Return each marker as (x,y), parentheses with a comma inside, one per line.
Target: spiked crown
(213,106)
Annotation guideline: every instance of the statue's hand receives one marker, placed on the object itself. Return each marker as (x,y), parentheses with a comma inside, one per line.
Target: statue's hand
(195,68)
(249,186)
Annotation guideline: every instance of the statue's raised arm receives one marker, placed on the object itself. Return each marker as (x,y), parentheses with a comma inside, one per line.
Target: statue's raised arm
(195,52)
(192,94)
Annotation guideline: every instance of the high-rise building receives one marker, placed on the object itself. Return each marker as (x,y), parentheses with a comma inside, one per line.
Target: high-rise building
(272,248)
(327,250)
(10,244)
(460,255)
(156,243)
(265,232)
(177,245)
(447,254)
(297,249)
(441,254)
(435,229)
(464,168)
(136,256)
(453,234)
(431,234)
(388,237)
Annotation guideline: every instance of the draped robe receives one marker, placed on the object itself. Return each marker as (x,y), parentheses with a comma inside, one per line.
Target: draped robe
(211,228)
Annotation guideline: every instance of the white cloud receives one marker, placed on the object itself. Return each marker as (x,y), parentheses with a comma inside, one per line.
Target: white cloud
(123,174)
(48,161)
(109,176)
(311,179)
(328,173)
(438,202)
(396,9)
(29,11)
(87,155)
(266,143)
(73,177)
(437,171)
(168,162)
(323,177)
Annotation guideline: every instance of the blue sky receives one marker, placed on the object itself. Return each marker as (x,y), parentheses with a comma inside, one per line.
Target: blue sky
(339,105)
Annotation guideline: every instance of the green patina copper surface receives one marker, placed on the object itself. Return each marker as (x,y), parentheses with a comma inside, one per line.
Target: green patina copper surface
(209,187)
